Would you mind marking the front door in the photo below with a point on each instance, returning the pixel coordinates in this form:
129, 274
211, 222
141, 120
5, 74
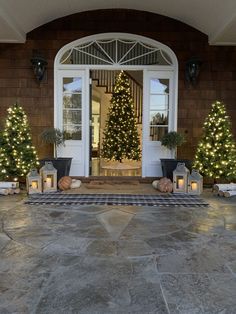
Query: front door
72, 118
158, 119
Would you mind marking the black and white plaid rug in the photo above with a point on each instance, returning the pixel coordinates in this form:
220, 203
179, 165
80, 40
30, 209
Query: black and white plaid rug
117, 199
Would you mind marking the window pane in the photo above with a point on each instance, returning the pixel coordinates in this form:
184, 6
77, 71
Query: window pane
72, 84
72, 116
159, 117
72, 100
72, 108
73, 132
159, 102
156, 133
159, 108
159, 86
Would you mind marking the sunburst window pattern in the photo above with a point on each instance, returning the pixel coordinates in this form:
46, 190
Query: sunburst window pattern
116, 51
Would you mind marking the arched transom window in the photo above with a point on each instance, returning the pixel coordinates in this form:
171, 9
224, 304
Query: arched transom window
116, 51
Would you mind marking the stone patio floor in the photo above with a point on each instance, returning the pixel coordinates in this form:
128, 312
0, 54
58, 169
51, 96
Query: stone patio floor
114, 259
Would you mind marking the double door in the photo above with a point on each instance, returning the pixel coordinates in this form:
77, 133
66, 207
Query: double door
72, 115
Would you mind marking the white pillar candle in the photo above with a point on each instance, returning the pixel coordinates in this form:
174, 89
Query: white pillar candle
180, 183
34, 185
194, 186
48, 182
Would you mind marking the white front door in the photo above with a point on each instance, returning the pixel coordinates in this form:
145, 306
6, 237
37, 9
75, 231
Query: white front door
158, 118
72, 117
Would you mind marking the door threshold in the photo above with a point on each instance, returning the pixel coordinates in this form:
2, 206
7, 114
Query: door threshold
116, 179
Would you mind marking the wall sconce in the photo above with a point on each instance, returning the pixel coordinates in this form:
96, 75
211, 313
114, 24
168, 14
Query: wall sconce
39, 67
192, 69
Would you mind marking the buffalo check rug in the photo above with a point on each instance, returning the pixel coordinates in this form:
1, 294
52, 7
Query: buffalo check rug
172, 199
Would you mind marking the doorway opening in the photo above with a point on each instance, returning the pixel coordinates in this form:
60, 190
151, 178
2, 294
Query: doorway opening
147, 62
103, 82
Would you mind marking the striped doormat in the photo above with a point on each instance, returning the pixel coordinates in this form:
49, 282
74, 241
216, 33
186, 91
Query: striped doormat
178, 200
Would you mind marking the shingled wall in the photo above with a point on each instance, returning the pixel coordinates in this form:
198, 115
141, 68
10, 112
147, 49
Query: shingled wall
217, 80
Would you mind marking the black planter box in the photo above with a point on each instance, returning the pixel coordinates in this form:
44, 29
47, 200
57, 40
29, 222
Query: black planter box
169, 165
61, 164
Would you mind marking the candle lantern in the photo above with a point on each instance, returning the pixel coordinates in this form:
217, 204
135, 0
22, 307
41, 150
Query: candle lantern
33, 182
195, 183
49, 176
180, 178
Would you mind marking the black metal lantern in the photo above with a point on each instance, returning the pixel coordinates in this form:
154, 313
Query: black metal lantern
192, 69
39, 67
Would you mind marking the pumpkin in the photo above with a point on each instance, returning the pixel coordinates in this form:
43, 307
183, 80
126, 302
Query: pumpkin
75, 184
64, 183
165, 185
155, 184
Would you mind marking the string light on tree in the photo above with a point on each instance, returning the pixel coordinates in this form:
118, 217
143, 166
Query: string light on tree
121, 140
17, 154
216, 151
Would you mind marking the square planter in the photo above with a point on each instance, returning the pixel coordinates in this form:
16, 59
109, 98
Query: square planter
61, 164
169, 165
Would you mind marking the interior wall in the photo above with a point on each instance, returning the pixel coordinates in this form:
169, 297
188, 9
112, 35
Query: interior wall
217, 80
104, 99
99, 94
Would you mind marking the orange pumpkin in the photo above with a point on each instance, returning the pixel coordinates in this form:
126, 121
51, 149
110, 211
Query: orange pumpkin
64, 183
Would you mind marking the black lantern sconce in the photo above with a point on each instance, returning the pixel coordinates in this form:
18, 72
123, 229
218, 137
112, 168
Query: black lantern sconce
192, 69
39, 67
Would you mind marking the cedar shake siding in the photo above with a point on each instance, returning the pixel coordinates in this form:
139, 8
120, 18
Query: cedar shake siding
217, 79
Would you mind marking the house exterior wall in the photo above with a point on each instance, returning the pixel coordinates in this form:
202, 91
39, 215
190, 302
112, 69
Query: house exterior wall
217, 80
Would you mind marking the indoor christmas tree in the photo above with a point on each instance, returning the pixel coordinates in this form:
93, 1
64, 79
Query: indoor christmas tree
121, 140
216, 151
17, 154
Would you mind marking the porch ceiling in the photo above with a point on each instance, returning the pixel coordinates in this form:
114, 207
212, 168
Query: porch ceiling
215, 18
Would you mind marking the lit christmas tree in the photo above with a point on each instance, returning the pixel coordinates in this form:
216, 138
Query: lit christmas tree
121, 140
216, 151
17, 154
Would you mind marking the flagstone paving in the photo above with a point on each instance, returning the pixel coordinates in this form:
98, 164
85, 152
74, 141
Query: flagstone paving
117, 259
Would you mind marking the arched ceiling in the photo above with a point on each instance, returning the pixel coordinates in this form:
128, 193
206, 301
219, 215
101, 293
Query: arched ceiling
215, 18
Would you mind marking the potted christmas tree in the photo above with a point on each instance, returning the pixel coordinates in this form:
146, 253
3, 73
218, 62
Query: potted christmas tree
17, 153
172, 140
216, 151
55, 137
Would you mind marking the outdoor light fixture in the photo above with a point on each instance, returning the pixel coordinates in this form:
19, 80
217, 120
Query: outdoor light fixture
39, 67
192, 69
33, 182
195, 183
49, 177
180, 178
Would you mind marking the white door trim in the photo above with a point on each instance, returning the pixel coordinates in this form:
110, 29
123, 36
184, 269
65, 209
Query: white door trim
59, 69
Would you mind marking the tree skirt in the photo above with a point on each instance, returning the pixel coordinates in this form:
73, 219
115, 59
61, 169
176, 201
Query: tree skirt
121, 166
118, 199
